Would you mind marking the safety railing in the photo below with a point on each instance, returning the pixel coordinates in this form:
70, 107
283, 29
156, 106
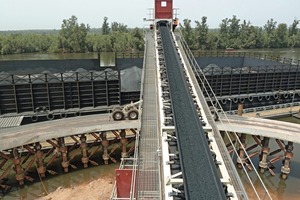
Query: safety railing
233, 53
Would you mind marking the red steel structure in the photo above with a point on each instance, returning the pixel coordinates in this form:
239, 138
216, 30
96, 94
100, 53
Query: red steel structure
163, 9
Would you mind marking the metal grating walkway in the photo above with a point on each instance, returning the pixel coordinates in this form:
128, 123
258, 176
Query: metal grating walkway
148, 179
13, 121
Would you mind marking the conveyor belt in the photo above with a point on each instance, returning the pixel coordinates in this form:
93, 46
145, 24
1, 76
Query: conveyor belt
199, 171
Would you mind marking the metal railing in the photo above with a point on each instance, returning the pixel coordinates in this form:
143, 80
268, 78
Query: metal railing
256, 55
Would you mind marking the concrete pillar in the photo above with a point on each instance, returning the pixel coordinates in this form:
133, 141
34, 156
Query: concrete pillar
83, 146
263, 164
285, 169
20, 176
240, 109
64, 154
123, 141
105, 144
39, 159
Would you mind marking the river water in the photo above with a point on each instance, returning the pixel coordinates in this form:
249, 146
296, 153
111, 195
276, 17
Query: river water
106, 58
280, 189
284, 53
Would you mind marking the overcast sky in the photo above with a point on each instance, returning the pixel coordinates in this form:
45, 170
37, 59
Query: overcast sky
48, 14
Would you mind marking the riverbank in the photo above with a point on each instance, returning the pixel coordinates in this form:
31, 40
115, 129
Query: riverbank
99, 189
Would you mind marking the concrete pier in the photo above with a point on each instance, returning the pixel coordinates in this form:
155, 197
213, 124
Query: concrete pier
84, 152
39, 160
105, 144
263, 164
123, 142
64, 154
285, 169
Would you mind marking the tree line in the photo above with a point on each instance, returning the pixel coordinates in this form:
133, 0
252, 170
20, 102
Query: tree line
74, 37
237, 34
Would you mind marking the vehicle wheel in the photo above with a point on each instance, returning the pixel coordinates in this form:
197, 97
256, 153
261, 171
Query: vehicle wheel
118, 115
133, 114
50, 116
63, 115
77, 114
34, 118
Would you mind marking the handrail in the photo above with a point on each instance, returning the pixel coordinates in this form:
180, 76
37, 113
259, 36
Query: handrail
261, 56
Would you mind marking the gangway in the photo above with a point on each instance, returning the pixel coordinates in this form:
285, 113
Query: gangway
148, 177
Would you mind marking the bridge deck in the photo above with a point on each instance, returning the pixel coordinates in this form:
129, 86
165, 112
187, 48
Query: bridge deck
148, 183
28, 134
258, 126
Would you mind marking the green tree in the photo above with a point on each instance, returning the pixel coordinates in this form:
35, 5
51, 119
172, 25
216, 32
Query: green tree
119, 27
248, 35
212, 40
187, 32
294, 35
234, 27
55, 45
224, 36
137, 42
229, 36
73, 36
234, 32
99, 43
270, 29
201, 32
270, 26
260, 37
282, 36
293, 30
105, 26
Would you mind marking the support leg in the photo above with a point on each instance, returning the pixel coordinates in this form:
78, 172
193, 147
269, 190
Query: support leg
105, 144
20, 176
64, 154
83, 145
39, 159
123, 143
285, 169
241, 151
263, 164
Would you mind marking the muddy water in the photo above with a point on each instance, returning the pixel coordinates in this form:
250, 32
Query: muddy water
278, 188
65, 180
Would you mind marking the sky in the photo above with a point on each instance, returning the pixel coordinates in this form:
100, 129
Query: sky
49, 14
